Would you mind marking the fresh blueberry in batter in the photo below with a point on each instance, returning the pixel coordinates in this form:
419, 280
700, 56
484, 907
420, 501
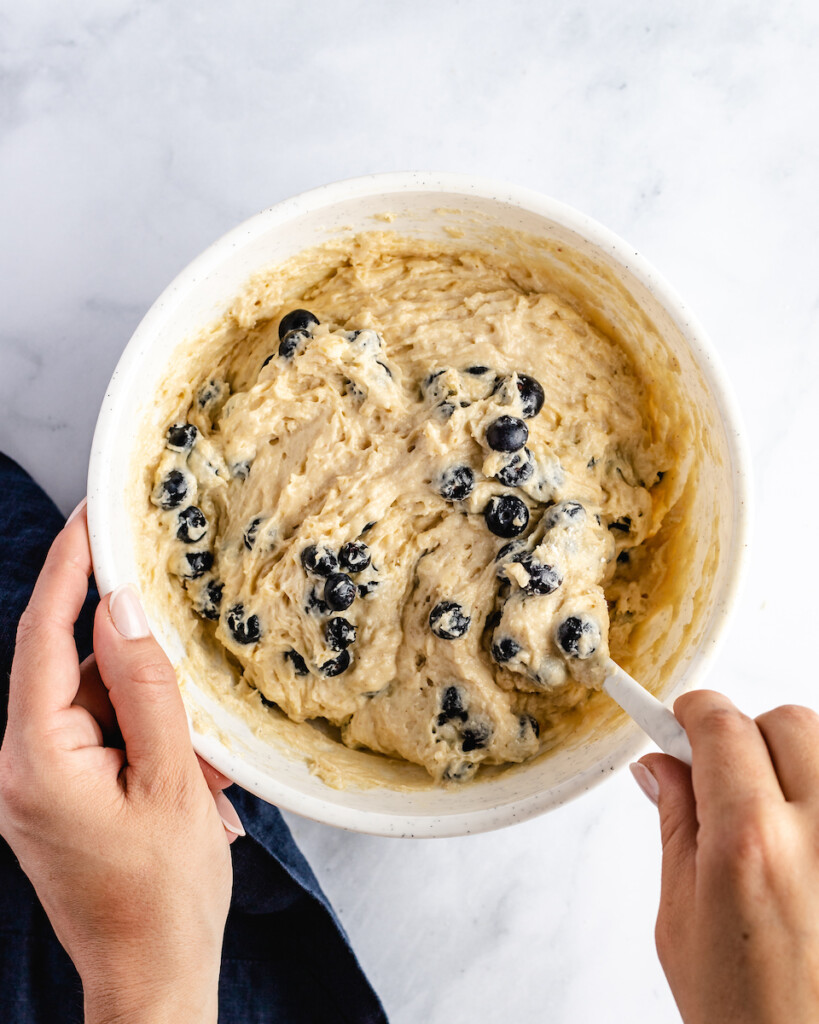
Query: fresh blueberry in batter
297, 320
506, 515
505, 649
290, 343
518, 469
173, 491
543, 579
354, 556
192, 525
456, 483
182, 437
531, 395
244, 630
241, 470
339, 591
565, 514
210, 599
448, 620
319, 561
529, 722
477, 371
624, 558
623, 524
210, 393
339, 634
336, 665
452, 706
249, 536
507, 434
315, 603
578, 637
298, 663
475, 737
445, 410
365, 589
198, 564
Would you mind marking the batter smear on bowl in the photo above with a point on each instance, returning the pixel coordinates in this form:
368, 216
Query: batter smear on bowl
411, 498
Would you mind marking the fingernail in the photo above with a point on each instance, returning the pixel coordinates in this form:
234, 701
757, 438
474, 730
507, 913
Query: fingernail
127, 613
646, 781
227, 812
77, 510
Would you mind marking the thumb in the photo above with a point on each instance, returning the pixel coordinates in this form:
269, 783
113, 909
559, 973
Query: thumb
142, 686
678, 831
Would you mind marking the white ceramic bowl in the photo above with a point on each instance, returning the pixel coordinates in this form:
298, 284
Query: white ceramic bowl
424, 205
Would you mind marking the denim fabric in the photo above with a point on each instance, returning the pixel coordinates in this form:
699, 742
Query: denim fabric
285, 959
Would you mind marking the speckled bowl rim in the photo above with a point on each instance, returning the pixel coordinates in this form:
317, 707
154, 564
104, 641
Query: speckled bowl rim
104, 544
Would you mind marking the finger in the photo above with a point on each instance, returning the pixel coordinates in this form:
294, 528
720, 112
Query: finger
792, 736
93, 696
732, 770
678, 832
216, 780
230, 819
45, 673
143, 689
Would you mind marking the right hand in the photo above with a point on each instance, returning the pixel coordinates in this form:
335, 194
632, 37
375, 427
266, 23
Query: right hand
738, 926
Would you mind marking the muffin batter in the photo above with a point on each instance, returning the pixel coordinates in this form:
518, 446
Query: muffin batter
398, 503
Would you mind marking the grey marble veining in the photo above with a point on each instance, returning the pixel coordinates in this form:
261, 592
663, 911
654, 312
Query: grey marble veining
133, 134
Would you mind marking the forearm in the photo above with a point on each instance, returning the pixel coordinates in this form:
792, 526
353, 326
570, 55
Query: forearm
187, 1000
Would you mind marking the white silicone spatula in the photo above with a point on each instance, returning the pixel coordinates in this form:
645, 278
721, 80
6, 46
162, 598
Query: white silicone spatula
653, 717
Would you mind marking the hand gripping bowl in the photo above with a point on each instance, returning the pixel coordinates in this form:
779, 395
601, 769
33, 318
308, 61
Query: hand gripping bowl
618, 291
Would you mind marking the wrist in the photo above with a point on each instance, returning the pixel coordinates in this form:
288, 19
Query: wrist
184, 997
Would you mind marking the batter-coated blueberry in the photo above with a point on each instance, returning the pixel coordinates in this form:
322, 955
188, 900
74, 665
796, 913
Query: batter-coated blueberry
543, 579
448, 620
182, 437
249, 536
244, 630
475, 737
623, 524
339, 634
456, 483
198, 564
354, 556
529, 722
297, 320
507, 434
339, 591
210, 600
298, 663
192, 525
518, 469
319, 560
506, 515
452, 706
578, 637
505, 649
290, 343
336, 665
172, 491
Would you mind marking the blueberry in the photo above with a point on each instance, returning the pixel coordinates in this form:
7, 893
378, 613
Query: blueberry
505, 649
172, 491
367, 527
459, 772
456, 483
315, 603
290, 342
445, 410
182, 437
384, 367
298, 663
529, 722
339, 634
336, 665
492, 620
249, 536
192, 525
477, 371
565, 514
510, 550
244, 630
241, 470
475, 737
365, 589
354, 556
210, 393
448, 620
543, 579
623, 524
518, 469
531, 395
210, 598
578, 637
339, 591
507, 434
452, 705
198, 564
506, 515
624, 558
297, 320
319, 561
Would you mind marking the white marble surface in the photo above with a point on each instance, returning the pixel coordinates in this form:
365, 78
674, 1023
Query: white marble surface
134, 132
